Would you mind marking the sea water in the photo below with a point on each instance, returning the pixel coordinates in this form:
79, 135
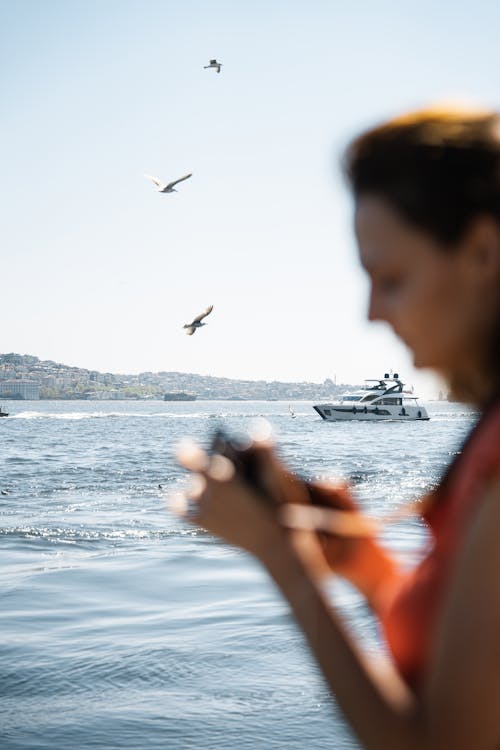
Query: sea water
121, 627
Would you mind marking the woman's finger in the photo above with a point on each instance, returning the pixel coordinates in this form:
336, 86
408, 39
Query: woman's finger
220, 469
185, 504
192, 456
335, 522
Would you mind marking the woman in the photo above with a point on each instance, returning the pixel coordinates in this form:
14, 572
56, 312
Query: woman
427, 221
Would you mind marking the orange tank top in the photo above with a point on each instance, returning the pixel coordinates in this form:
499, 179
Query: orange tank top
410, 619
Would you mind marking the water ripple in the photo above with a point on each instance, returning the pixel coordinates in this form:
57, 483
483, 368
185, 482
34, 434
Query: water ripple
123, 627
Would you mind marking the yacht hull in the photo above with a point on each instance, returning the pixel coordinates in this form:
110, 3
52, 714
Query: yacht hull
341, 413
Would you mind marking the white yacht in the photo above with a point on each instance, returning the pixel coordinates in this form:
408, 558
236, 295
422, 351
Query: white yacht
378, 400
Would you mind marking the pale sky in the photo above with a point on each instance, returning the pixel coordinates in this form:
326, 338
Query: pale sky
100, 271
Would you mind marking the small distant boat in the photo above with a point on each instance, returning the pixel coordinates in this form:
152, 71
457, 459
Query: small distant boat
292, 413
379, 400
3, 413
179, 396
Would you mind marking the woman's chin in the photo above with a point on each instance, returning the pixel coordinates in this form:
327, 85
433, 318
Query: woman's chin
425, 362
419, 361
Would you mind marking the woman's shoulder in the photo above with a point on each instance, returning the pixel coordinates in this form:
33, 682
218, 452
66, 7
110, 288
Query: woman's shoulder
482, 450
476, 463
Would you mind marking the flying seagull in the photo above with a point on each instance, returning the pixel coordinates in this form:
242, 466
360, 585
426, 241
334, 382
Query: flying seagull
213, 64
167, 187
196, 323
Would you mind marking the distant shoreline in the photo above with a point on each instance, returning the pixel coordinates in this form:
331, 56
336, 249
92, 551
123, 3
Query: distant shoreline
152, 400
25, 377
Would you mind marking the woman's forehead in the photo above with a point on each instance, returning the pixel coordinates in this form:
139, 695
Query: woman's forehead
384, 237
375, 215
379, 234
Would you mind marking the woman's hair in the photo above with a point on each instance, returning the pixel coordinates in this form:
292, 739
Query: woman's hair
438, 168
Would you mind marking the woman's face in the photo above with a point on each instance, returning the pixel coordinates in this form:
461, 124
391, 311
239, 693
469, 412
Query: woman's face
426, 293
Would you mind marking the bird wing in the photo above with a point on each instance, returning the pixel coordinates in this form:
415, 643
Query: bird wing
156, 181
213, 62
190, 330
186, 176
203, 315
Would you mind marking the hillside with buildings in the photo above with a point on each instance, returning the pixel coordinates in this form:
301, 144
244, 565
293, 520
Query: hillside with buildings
27, 377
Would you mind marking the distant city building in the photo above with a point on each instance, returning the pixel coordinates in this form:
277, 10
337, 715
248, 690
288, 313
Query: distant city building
28, 390
7, 371
112, 395
18, 359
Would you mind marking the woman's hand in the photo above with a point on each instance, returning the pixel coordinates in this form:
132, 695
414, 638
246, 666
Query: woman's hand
223, 504
254, 519
350, 548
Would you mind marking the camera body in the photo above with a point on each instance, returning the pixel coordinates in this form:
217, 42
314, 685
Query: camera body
245, 459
